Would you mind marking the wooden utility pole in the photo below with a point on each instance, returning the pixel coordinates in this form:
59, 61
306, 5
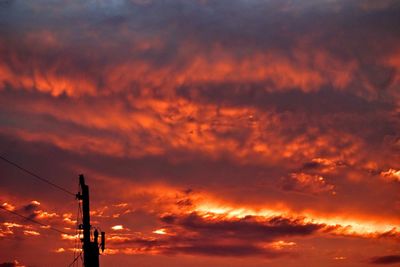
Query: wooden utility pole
90, 248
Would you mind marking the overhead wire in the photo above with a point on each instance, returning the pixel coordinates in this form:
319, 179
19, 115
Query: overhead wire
76, 258
36, 176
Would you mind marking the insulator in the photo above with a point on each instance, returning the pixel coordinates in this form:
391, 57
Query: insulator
103, 241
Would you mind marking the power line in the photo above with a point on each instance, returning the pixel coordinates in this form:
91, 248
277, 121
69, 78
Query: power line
34, 221
76, 245
77, 257
36, 176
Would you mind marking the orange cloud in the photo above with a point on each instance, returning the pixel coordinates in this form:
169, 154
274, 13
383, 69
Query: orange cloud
117, 227
302, 69
391, 174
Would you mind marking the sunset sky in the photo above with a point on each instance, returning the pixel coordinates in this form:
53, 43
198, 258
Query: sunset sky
211, 132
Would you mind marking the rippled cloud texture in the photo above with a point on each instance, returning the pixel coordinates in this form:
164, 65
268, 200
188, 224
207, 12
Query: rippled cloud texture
211, 132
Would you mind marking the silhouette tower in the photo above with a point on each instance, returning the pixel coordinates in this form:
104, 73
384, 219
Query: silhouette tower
90, 248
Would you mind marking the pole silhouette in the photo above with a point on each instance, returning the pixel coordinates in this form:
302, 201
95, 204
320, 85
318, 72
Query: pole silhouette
90, 248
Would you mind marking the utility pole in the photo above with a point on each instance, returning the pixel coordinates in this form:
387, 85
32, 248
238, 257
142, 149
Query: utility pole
90, 248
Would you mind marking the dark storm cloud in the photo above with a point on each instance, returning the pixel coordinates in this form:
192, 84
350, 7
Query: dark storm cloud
248, 228
193, 234
30, 210
389, 259
326, 101
142, 242
199, 246
226, 250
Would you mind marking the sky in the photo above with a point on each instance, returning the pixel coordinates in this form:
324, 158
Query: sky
210, 132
